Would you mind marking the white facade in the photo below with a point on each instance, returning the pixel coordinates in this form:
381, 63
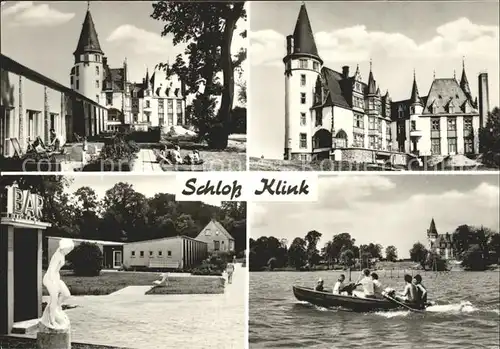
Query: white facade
301, 74
87, 76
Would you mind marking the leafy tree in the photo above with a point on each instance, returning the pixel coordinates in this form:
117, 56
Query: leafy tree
391, 253
336, 245
297, 253
208, 29
473, 259
435, 262
347, 258
312, 238
87, 217
419, 254
489, 139
494, 246
86, 259
266, 252
126, 210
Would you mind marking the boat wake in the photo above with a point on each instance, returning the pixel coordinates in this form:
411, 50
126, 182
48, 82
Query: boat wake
455, 308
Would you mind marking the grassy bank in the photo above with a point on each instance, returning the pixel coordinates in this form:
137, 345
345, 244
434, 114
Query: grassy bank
29, 343
109, 282
191, 285
257, 164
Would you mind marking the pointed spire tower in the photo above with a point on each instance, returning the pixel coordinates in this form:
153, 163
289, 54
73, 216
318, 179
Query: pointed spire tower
372, 86
432, 233
415, 97
416, 106
87, 73
303, 67
464, 83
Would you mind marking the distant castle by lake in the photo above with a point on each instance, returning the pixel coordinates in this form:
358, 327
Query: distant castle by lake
442, 244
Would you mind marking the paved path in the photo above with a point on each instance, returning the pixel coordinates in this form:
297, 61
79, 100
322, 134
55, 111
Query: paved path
132, 291
146, 162
163, 321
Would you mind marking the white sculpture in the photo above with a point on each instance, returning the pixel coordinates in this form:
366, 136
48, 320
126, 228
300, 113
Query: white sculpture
163, 281
53, 316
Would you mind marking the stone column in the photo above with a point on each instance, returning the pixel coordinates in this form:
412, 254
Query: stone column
10, 278
39, 270
48, 338
46, 134
21, 137
62, 122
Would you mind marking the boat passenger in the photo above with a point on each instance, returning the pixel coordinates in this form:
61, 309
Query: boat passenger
422, 291
377, 285
367, 283
339, 285
319, 285
410, 293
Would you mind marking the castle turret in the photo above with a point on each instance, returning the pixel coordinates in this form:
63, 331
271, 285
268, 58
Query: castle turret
416, 106
464, 83
87, 72
432, 233
302, 67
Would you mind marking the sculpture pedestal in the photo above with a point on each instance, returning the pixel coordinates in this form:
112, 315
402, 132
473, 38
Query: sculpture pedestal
48, 338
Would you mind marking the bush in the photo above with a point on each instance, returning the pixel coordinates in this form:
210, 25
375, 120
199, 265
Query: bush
86, 259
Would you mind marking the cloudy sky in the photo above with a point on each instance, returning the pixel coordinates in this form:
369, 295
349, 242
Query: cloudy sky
148, 185
389, 210
397, 36
43, 35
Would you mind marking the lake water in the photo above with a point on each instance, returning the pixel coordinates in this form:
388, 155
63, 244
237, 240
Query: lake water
466, 314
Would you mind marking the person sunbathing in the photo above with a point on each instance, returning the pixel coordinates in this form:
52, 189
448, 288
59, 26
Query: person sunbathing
176, 155
193, 158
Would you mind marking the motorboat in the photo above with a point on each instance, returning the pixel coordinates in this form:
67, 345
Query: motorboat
357, 302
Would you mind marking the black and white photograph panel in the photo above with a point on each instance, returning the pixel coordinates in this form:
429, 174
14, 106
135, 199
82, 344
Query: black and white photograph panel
136, 86
116, 262
377, 85
380, 262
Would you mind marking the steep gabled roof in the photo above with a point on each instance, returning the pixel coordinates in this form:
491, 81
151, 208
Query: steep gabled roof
332, 79
303, 37
215, 225
442, 93
88, 41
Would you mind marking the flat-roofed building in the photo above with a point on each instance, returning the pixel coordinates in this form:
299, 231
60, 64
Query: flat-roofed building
176, 252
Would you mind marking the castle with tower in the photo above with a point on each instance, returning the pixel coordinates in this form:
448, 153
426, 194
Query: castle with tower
158, 100
335, 115
442, 244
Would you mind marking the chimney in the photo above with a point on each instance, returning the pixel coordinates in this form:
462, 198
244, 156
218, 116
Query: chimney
289, 44
345, 71
484, 102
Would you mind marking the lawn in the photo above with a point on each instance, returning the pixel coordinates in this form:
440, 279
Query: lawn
29, 343
191, 285
109, 282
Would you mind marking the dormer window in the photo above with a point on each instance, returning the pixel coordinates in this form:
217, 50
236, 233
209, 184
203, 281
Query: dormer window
401, 113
